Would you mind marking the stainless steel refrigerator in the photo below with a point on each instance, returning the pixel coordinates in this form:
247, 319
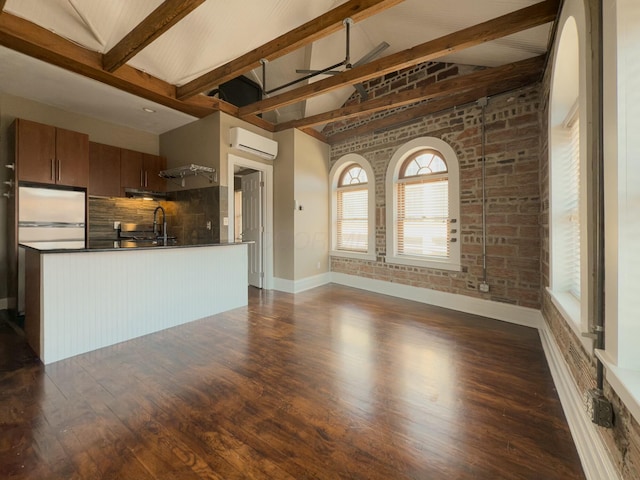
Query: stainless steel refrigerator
49, 218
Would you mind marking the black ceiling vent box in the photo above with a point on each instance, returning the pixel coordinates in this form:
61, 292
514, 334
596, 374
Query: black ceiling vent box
239, 91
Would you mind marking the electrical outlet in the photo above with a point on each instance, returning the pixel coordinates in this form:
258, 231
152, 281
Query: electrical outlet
483, 287
208, 224
225, 221
116, 225
599, 408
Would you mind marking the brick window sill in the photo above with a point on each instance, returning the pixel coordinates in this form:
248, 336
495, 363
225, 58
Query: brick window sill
625, 382
569, 308
356, 255
423, 262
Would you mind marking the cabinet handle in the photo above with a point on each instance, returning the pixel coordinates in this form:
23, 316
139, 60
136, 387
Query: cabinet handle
141, 183
146, 179
59, 169
53, 169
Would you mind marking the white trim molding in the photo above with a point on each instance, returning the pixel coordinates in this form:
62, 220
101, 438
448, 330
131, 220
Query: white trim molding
594, 457
298, 286
524, 316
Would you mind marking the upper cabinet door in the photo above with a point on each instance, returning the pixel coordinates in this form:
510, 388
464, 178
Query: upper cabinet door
72, 155
36, 152
131, 171
104, 170
47, 154
153, 165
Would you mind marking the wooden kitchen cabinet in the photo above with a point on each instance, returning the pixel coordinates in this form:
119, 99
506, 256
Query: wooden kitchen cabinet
153, 165
140, 170
46, 154
104, 170
72, 158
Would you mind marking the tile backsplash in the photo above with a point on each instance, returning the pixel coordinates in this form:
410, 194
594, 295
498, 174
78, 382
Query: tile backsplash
189, 212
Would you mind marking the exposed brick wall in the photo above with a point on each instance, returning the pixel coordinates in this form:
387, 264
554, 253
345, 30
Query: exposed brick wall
512, 189
407, 79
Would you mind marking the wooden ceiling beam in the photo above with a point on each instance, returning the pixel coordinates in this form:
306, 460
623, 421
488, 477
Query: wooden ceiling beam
311, 31
155, 24
315, 134
527, 71
37, 42
508, 24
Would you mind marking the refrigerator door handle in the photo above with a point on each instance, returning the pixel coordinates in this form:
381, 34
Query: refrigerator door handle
53, 169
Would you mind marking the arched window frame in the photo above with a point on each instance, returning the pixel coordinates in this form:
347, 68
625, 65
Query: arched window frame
342, 165
568, 108
451, 263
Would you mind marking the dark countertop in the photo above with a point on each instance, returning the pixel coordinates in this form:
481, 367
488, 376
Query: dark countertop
115, 245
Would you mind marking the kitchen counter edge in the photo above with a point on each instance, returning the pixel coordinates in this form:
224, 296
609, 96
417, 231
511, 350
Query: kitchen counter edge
32, 246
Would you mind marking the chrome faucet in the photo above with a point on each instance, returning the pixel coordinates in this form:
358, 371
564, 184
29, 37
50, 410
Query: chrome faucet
164, 223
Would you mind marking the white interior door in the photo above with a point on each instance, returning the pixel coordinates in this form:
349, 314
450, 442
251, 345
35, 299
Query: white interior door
252, 225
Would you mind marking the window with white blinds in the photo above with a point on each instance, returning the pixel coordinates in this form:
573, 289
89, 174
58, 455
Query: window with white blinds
423, 214
352, 222
572, 205
423, 206
351, 210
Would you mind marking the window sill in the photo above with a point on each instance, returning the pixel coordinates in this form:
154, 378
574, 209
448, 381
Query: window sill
569, 308
424, 262
355, 255
625, 382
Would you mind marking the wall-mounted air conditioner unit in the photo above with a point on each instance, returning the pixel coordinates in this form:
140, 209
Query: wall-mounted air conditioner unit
253, 143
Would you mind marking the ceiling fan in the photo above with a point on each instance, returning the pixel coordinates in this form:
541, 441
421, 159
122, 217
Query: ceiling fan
366, 58
347, 22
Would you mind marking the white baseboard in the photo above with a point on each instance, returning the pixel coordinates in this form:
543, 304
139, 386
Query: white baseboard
297, 286
527, 317
4, 303
594, 457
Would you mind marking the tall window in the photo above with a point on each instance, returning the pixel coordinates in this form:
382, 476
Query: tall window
353, 202
423, 205
353, 208
573, 206
568, 187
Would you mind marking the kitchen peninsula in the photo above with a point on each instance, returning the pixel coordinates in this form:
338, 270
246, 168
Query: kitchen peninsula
82, 299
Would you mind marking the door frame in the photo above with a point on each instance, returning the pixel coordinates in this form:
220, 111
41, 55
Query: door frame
267, 210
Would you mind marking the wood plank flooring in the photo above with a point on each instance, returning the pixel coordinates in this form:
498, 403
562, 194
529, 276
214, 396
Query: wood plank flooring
333, 383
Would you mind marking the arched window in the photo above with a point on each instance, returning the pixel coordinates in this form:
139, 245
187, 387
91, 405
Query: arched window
423, 205
352, 208
568, 176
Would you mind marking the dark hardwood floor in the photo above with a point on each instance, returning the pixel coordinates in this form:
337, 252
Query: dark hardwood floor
333, 383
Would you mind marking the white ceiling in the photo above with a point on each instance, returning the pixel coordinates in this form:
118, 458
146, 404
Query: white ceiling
219, 30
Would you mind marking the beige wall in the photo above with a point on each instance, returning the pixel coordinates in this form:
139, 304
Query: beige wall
311, 191
301, 237
198, 143
283, 214
12, 107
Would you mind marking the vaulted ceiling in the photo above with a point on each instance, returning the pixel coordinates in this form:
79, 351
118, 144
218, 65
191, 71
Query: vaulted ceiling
112, 59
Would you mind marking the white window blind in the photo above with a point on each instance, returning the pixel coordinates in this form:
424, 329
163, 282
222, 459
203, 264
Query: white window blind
572, 205
423, 216
353, 221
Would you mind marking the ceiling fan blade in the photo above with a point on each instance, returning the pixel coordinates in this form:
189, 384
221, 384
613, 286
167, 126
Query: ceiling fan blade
372, 54
363, 93
330, 72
